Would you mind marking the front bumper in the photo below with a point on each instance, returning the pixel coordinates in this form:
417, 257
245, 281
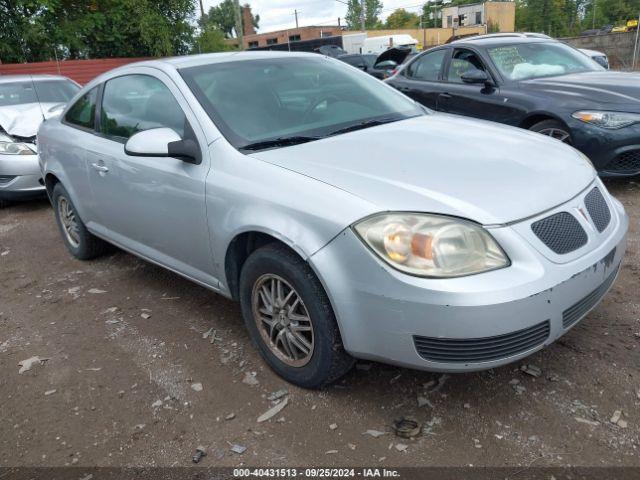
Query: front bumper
614, 153
20, 177
387, 316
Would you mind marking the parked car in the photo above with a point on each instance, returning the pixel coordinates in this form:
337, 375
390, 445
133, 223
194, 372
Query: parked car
538, 84
599, 57
25, 100
347, 220
380, 66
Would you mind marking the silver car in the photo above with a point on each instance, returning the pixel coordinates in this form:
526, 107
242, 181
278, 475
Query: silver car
25, 101
348, 221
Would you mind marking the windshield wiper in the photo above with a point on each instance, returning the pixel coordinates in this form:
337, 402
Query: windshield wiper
365, 124
279, 142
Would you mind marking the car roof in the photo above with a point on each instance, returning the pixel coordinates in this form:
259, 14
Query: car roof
502, 39
35, 78
210, 58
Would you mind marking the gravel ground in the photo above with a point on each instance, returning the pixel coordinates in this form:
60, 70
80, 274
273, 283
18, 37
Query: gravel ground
122, 350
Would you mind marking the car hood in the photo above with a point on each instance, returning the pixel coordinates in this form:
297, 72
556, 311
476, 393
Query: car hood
603, 87
24, 120
444, 164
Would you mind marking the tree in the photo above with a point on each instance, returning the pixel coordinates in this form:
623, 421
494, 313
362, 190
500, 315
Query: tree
400, 18
210, 39
223, 17
35, 30
373, 8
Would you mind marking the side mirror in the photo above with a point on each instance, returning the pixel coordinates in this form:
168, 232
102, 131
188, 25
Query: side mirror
476, 76
162, 142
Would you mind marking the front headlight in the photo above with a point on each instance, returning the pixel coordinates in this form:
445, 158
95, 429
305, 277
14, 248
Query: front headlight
431, 245
10, 148
610, 120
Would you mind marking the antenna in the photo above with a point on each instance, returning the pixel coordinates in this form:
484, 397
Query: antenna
35, 90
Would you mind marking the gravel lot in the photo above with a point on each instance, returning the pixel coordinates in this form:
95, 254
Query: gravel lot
125, 349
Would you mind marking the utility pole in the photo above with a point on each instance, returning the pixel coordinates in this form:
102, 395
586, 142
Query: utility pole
295, 12
635, 46
201, 9
363, 14
594, 14
239, 30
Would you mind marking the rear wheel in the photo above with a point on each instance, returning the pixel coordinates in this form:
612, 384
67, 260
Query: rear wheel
553, 129
79, 241
290, 319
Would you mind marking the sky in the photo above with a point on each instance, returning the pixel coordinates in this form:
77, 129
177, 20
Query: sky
278, 14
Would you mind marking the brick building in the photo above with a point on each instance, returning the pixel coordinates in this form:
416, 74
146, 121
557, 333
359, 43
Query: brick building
290, 35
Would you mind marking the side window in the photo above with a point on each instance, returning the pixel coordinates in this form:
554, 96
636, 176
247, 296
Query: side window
83, 112
463, 61
428, 66
133, 103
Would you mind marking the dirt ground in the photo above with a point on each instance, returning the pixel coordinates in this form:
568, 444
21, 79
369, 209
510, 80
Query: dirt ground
124, 346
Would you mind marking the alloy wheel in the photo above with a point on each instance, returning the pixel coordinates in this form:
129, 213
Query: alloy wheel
68, 220
557, 133
282, 320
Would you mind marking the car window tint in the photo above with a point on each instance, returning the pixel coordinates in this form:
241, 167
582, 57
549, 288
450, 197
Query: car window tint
133, 103
463, 61
428, 66
83, 112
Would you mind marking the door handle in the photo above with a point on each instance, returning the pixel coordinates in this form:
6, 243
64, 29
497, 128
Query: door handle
445, 95
100, 168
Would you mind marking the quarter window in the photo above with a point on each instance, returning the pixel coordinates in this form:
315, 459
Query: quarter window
83, 112
133, 103
427, 67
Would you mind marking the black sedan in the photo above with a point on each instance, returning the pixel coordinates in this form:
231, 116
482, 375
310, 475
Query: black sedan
380, 66
535, 83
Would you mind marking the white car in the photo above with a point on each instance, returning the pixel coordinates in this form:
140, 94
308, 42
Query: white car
599, 57
25, 102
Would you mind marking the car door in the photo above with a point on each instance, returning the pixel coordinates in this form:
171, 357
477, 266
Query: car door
154, 206
473, 100
422, 78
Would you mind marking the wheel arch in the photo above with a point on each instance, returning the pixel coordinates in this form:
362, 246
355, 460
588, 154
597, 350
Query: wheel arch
50, 181
536, 117
244, 244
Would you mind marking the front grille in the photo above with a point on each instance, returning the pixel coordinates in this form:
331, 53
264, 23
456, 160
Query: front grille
626, 162
598, 209
474, 350
560, 232
574, 313
4, 179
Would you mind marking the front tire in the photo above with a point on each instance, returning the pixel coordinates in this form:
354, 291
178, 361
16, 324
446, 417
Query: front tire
553, 129
290, 319
79, 241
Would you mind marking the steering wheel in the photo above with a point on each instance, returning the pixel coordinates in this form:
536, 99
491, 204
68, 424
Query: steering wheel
329, 97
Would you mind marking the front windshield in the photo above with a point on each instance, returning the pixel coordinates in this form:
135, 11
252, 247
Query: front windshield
259, 100
45, 91
540, 59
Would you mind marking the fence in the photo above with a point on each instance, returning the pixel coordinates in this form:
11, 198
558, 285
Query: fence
82, 71
618, 47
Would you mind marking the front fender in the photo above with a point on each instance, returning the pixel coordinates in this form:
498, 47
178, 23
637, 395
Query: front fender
245, 194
